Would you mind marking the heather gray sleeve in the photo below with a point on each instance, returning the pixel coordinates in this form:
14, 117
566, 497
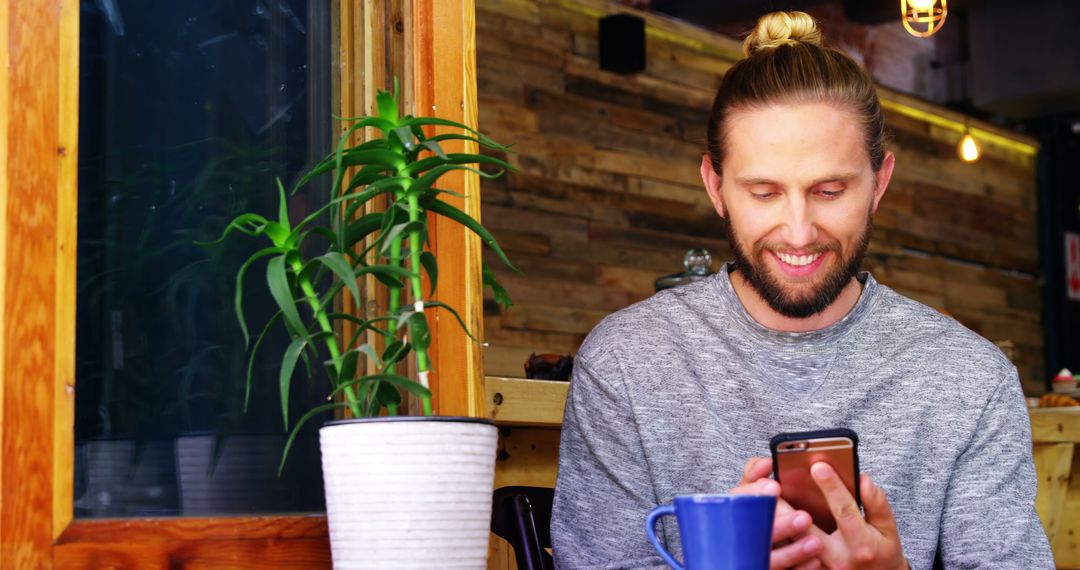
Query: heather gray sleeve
989, 518
603, 491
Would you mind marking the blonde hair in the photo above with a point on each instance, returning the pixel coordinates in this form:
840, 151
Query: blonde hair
786, 63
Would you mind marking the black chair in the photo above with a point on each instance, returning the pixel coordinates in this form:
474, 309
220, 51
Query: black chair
522, 516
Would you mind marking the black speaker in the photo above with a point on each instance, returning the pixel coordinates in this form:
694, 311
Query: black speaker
622, 43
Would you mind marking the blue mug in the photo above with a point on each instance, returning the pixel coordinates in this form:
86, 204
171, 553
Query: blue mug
718, 531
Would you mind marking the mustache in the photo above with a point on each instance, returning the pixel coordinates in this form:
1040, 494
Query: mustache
813, 249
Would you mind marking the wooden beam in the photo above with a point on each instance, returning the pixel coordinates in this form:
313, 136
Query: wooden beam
1055, 425
443, 83
37, 226
299, 542
521, 402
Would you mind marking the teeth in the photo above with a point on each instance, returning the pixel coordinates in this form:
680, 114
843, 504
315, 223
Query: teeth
798, 260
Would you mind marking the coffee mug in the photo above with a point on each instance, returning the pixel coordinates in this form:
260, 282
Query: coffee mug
718, 531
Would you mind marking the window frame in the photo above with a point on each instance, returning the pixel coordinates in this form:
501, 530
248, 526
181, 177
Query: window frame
39, 53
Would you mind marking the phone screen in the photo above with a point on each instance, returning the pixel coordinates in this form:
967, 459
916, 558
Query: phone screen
793, 454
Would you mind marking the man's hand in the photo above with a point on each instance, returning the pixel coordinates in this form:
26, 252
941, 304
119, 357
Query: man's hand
872, 542
793, 547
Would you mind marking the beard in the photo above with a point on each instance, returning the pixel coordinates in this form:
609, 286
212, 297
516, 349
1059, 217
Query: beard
793, 304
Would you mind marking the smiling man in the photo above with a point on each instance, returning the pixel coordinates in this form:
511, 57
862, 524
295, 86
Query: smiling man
681, 393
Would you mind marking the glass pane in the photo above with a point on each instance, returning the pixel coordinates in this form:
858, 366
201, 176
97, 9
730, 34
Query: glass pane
188, 111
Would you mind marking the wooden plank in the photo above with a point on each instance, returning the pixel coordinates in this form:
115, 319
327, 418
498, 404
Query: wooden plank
5, 107
65, 279
519, 401
1055, 425
527, 456
189, 543
1053, 463
33, 162
1066, 541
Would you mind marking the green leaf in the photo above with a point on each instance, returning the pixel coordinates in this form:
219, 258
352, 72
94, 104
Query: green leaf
300, 423
282, 293
457, 159
446, 210
387, 395
357, 230
288, 364
405, 135
249, 224
434, 147
283, 205
341, 267
388, 107
251, 358
502, 297
432, 121
348, 367
431, 267
419, 333
402, 382
404, 229
393, 352
451, 310
238, 297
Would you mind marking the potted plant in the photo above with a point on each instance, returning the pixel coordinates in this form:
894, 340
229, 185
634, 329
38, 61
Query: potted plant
401, 491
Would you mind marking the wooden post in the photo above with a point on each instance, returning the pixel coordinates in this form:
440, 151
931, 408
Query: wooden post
442, 82
38, 208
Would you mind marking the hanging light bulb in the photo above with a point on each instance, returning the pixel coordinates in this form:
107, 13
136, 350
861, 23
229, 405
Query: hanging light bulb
922, 18
968, 149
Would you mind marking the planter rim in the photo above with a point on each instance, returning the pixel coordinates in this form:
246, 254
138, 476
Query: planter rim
389, 419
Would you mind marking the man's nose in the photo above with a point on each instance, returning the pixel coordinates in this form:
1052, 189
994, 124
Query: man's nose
799, 224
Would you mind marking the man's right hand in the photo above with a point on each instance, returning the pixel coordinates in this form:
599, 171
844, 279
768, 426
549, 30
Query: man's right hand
794, 545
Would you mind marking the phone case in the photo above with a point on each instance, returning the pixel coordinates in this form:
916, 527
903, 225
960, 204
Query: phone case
807, 496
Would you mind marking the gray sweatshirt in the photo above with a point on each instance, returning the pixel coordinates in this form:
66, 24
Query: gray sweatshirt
672, 395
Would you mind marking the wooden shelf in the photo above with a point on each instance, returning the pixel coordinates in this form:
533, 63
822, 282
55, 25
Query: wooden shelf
523, 402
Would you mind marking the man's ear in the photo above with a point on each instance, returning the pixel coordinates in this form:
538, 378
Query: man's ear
881, 179
712, 184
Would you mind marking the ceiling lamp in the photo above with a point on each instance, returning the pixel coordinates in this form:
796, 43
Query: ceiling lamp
922, 18
968, 149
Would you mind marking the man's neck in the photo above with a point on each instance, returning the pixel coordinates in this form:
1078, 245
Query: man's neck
761, 312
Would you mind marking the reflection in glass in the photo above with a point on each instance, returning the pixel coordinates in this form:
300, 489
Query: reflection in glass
188, 110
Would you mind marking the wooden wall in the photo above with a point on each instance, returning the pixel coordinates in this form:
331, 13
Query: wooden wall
609, 197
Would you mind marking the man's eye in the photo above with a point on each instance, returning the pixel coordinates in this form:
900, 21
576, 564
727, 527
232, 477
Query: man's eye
830, 193
763, 195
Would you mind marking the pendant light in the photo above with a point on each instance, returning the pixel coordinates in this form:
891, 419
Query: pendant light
968, 149
923, 18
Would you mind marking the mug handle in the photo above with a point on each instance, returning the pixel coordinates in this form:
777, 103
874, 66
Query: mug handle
650, 531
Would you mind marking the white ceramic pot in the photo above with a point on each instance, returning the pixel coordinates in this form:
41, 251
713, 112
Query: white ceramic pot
409, 491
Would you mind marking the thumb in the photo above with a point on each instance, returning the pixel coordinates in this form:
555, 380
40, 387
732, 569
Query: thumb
876, 504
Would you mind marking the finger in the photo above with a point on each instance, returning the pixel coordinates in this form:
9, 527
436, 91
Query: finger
756, 468
844, 509
812, 564
798, 552
790, 525
876, 503
759, 487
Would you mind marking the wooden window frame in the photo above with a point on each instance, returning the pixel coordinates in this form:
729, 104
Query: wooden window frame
39, 60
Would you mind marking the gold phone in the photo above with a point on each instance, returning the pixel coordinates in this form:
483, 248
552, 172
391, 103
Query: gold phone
794, 453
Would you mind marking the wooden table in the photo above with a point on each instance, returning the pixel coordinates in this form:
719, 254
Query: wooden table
1055, 432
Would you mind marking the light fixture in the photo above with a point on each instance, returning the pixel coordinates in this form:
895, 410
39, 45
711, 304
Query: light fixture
922, 18
968, 149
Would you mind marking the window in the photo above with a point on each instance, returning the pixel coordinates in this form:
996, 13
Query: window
188, 112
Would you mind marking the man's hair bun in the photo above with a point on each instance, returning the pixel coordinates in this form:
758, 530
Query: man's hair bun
781, 28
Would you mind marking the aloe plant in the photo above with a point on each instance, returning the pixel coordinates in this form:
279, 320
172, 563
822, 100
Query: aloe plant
404, 165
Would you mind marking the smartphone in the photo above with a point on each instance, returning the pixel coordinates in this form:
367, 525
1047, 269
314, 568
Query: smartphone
794, 453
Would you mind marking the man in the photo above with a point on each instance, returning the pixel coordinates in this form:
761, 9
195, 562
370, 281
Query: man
680, 393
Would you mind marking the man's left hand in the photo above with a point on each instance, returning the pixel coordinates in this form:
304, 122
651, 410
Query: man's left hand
873, 542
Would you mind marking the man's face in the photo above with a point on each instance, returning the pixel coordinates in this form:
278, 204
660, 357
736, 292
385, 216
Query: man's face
798, 192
